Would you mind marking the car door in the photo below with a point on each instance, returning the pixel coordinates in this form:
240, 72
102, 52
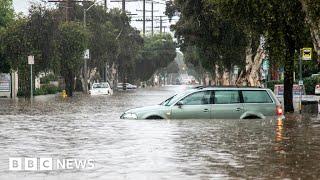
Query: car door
227, 105
195, 106
258, 102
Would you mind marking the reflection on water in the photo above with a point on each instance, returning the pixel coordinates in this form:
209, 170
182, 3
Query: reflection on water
279, 130
89, 128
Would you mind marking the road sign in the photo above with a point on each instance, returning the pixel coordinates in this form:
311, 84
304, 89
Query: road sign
87, 54
5, 82
265, 64
236, 70
307, 54
30, 60
300, 83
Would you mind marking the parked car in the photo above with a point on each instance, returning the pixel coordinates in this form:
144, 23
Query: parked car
127, 86
213, 103
100, 89
317, 89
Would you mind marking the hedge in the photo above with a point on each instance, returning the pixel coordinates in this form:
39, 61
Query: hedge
45, 89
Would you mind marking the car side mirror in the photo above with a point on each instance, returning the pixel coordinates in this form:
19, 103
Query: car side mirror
179, 104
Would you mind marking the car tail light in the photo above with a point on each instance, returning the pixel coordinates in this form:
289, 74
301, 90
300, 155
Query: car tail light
279, 111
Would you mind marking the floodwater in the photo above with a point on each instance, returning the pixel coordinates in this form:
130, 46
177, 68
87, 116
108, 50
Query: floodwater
87, 127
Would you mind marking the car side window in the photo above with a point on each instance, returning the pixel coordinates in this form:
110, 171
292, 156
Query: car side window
226, 97
256, 97
198, 98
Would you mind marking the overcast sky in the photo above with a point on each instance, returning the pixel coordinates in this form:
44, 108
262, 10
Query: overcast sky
22, 6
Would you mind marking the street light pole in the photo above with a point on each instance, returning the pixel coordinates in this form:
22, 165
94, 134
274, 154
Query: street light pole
85, 68
300, 80
31, 62
31, 92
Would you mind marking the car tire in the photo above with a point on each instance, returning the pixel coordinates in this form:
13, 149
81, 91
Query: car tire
154, 117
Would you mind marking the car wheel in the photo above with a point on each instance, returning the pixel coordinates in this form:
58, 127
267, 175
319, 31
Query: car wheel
154, 117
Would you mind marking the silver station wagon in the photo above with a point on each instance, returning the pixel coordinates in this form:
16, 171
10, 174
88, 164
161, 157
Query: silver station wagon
213, 103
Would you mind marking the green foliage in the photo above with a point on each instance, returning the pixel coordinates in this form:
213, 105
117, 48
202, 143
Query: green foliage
171, 9
6, 17
46, 79
310, 84
158, 52
72, 43
213, 39
221, 30
58, 45
45, 89
6, 12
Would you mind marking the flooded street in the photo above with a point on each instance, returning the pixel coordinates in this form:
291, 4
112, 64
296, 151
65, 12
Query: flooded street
89, 128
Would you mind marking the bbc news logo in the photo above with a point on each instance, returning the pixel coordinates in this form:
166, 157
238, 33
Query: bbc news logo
48, 164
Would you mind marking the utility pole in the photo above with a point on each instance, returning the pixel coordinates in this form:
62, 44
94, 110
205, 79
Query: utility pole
105, 4
300, 79
152, 17
31, 62
144, 17
123, 6
67, 5
161, 25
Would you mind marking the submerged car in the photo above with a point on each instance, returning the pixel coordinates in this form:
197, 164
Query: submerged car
213, 103
100, 89
126, 86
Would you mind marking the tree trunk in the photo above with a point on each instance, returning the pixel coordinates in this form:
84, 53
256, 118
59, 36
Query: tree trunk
251, 74
288, 74
69, 80
82, 79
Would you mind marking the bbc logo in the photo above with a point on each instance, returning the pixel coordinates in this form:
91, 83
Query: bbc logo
48, 164
30, 164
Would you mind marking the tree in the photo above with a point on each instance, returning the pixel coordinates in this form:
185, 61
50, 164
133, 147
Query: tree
281, 23
19, 43
220, 43
72, 42
6, 12
158, 52
18, 46
6, 16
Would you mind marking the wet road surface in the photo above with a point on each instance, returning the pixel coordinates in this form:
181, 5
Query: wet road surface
89, 128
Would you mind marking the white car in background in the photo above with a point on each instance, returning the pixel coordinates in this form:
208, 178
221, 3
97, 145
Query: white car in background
128, 86
317, 89
102, 88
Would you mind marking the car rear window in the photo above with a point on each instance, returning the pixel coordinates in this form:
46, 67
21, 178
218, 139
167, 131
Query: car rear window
256, 97
226, 97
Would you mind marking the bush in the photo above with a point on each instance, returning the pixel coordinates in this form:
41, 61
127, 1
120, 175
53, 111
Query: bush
48, 78
38, 92
45, 89
310, 84
49, 89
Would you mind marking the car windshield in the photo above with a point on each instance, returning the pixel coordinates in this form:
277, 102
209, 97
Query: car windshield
164, 103
174, 98
96, 86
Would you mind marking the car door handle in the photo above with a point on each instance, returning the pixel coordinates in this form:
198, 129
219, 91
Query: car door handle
206, 110
238, 109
